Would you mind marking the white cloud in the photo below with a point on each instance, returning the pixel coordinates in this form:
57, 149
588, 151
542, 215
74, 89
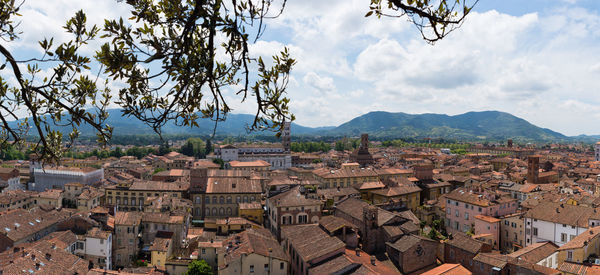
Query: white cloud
322, 84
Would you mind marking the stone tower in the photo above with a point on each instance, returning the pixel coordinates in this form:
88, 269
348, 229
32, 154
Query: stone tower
286, 138
597, 151
533, 169
370, 228
509, 143
361, 154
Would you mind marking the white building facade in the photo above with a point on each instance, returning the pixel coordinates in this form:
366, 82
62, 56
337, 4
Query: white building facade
97, 249
48, 178
541, 231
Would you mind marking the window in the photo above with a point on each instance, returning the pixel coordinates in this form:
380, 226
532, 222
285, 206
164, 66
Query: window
281, 265
572, 226
564, 225
457, 213
569, 255
267, 267
449, 211
571, 237
101, 241
466, 206
198, 200
466, 216
563, 237
203, 251
479, 209
251, 268
535, 231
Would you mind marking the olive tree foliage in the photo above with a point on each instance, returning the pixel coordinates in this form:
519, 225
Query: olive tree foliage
175, 57
178, 60
433, 18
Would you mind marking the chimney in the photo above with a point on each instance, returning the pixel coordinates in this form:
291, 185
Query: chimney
373, 260
33, 257
357, 251
37, 266
48, 256
53, 246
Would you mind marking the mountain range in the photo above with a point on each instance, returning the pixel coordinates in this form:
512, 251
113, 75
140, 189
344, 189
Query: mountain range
486, 125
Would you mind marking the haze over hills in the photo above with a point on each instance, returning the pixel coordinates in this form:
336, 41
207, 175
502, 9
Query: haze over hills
486, 125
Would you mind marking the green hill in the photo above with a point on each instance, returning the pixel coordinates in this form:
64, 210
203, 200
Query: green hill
491, 125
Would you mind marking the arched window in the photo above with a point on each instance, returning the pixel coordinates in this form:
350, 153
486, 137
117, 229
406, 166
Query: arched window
221, 200
229, 212
198, 212
214, 211
228, 199
214, 199
198, 200
238, 199
252, 198
245, 198
221, 211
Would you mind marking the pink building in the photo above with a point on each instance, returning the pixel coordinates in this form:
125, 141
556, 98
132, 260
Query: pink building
463, 205
487, 229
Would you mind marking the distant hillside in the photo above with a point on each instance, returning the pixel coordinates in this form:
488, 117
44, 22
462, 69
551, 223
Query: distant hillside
234, 125
471, 125
487, 125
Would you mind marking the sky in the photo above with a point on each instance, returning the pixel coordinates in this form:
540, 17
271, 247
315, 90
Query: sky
536, 59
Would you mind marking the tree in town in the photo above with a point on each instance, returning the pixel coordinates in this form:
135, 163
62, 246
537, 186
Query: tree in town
193, 147
199, 267
208, 148
176, 58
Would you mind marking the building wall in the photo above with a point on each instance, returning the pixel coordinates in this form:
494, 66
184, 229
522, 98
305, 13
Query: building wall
492, 228
56, 203
578, 255
86, 205
226, 205
467, 212
208, 254
13, 184
411, 261
125, 245
549, 231
134, 199
150, 229
456, 255
512, 233
412, 200
550, 261
159, 258
245, 263
99, 249
343, 181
